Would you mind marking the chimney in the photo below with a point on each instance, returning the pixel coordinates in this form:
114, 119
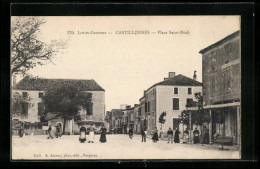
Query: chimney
171, 74
195, 76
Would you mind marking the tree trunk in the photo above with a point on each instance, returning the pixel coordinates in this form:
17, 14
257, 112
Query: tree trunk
202, 139
222, 137
64, 124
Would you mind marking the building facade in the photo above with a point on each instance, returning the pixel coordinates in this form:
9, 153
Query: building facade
35, 88
221, 78
137, 118
171, 96
115, 120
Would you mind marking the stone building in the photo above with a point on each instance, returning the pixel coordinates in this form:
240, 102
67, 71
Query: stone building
35, 88
221, 79
170, 95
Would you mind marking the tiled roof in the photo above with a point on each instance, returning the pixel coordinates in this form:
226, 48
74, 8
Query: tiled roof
178, 80
52, 115
227, 38
29, 83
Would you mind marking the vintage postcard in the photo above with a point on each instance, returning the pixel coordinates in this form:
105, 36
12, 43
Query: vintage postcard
125, 87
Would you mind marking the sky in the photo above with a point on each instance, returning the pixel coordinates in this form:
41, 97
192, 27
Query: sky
127, 64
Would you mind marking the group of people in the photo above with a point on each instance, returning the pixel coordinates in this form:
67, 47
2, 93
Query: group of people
174, 136
58, 132
196, 136
91, 134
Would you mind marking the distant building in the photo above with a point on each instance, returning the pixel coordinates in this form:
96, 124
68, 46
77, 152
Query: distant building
128, 119
170, 95
221, 79
137, 118
115, 120
35, 88
142, 111
124, 106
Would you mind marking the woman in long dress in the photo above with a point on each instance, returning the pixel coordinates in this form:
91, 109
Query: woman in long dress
196, 135
82, 137
91, 134
186, 136
176, 136
103, 138
155, 135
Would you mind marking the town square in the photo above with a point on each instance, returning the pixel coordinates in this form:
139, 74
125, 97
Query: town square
117, 147
146, 87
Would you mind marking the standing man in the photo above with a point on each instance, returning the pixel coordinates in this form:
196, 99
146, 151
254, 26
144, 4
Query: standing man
170, 135
143, 133
50, 134
130, 133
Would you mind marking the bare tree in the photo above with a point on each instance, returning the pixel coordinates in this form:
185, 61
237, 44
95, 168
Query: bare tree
27, 50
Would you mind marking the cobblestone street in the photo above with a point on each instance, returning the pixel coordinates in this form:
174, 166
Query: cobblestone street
116, 147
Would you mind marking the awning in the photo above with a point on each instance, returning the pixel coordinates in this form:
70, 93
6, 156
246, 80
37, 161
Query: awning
222, 105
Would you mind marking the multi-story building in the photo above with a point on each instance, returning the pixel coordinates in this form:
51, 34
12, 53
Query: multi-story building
142, 112
35, 88
221, 78
171, 96
137, 119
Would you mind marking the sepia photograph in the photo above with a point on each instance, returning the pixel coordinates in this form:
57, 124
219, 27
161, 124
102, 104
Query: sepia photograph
125, 87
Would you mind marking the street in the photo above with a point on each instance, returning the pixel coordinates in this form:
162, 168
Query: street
117, 147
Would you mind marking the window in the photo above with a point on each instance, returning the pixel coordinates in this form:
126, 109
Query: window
189, 91
148, 106
189, 103
175, 103
175, 122
175, 90
25, 94
25, 107
145, 106
131, 117
40, 108
40, 95
90, 108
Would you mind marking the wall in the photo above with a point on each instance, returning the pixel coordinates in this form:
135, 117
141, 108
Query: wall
33, 109
150, 96
221, 72
68, 127
98, 100
164, 96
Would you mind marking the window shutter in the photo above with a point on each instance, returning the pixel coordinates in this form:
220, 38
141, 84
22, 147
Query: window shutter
175, 104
